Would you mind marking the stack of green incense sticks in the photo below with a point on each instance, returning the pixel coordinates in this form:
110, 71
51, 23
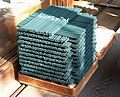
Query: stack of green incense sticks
57, 44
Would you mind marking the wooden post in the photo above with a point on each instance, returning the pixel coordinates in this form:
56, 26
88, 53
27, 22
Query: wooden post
45, 4
70, 3
65, 2
62, 2
59, 2
53, 2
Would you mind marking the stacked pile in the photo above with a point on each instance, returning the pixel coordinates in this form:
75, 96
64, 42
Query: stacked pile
57, 44
85, 49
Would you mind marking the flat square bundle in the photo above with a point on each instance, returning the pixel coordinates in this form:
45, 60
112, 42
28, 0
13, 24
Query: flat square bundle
57, 44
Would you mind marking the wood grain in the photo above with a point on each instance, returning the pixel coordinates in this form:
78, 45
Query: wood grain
8, 49
8, 84
100, 9
70, 3
89, 9
59, 2
53, 2
18, 91
62, 2
7, 32
30, 91
110, 18
7, 57
65, 2
45, 4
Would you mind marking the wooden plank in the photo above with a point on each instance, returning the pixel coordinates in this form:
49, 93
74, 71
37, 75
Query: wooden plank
45, 4
62, 2
8, 49
7, 26
65, 2
7, 89
7, 57
110, 18
9, 63
59, 2
8, 84
18, 91
6, 75
36, 92
4, 44
90, 9
100, 9
63, 90
70, 3
7, 32
53, 2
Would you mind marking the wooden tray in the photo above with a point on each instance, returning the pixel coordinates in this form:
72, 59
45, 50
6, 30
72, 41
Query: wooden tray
63, 90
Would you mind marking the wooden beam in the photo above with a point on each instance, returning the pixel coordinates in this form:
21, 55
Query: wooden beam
110, 18
7, 57
18, 91
45, 4
53, 2
70, 3
36, 92
90, 9
100, 9
7, 50
65, 2
59, 2
8, 84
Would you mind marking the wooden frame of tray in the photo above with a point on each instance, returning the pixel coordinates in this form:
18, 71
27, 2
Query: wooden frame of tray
104, 50
63, 90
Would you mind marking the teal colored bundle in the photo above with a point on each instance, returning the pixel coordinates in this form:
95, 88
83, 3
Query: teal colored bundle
59, 65
57, 44
46, 65
44, 50
49, 73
